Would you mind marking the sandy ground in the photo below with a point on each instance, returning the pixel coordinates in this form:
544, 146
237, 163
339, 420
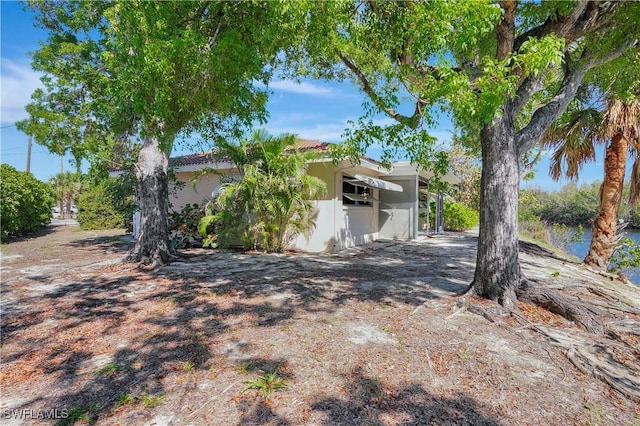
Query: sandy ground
369, 336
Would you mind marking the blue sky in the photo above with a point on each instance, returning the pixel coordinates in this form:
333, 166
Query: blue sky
312, 109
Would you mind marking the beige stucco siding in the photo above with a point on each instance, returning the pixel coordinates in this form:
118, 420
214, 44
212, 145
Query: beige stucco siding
327, 172
358, 225
339, 226
399, 210
190, 194
321, 237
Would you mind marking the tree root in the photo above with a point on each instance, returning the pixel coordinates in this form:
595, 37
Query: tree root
571, 307
591, 360
601, 352
608, 320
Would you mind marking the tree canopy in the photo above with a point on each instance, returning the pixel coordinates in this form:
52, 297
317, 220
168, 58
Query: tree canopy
505, 71
125, 71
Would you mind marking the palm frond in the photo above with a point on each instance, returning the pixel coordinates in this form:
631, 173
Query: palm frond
573, 140
622, 117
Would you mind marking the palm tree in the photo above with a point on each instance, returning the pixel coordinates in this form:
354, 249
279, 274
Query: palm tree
272, 202
574, 139
66, 186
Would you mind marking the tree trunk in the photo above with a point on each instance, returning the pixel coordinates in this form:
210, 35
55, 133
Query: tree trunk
497, 273
67, 208
152, 245
605, 237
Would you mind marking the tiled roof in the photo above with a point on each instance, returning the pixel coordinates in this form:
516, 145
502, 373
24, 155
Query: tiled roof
208, 157
191, 159
308, 145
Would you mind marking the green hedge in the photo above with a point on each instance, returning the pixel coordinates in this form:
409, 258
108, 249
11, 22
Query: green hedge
26, 202
459, 217
106, 205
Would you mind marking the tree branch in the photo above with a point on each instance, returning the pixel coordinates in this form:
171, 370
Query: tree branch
586, 16
628, 44
506, 29
544, 116
527, 89
411, 122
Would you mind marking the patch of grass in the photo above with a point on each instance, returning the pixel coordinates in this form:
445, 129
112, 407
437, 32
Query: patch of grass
151, 401
555, 274
125, 399
244, 368
189, 367
465, 355
108, 370
596, 413
267, 383
84, 413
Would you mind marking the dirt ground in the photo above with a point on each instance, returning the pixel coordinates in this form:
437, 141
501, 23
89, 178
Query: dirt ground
368, 336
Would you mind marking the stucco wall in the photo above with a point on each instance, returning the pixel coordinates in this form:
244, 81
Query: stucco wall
358, 225
322, 238
355, 225
399, 210
190, 195
337, 226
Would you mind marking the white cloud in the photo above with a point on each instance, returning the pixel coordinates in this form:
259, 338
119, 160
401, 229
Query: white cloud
17, 83
326, 132
301, 88
318, 127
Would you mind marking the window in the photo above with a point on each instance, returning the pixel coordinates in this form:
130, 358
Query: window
356, 195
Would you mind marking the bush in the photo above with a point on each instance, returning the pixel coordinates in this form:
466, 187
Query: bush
626, 256
26, 202
459, 217
107, 204
271, 203
183, 227
534, 228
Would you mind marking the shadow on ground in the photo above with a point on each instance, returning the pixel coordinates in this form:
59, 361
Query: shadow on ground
104, 341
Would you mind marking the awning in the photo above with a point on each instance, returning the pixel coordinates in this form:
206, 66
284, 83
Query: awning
377, 183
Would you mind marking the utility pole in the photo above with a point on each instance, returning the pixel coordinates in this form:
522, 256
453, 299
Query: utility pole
29, 154
62, 212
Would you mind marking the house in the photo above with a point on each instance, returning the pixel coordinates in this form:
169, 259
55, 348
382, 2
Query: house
364, 202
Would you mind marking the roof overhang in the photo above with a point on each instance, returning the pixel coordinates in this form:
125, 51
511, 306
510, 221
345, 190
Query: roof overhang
447, 177
377, 183
405, 168
223, 165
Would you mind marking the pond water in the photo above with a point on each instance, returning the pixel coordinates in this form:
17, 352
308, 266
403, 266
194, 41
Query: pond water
580, 249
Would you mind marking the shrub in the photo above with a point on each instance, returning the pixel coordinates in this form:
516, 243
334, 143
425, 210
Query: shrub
183, 227
271, 203
626, 256
459, 217
107, 204
26, 202
535, 228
